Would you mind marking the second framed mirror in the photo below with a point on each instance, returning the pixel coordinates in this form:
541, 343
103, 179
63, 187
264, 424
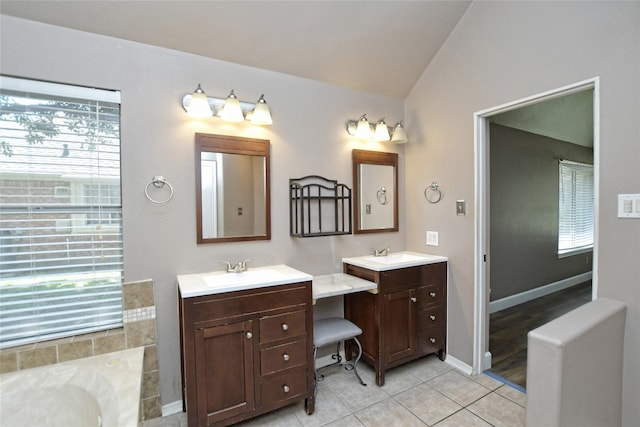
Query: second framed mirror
375, 191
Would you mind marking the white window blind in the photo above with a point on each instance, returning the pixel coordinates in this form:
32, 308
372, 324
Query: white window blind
576, 212
60, 211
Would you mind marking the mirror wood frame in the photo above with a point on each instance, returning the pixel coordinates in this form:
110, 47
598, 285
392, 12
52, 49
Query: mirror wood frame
232, 145
360, 157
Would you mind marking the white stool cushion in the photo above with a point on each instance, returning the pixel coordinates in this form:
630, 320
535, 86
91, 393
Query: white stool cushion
333, 329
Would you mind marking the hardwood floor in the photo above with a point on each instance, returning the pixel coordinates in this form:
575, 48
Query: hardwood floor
508, 329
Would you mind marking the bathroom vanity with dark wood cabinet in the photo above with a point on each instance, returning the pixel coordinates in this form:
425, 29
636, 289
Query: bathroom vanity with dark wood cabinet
405, 320
246, 352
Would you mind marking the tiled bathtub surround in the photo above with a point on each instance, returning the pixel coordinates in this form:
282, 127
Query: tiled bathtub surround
139, 330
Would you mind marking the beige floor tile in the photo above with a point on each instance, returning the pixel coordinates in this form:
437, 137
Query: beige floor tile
350, 421
399, 379
512, 394
388, 413
427, 403
486, 381
175, 420
499, 411
428, 367
463, 418
356, 396
458, 387
328, 408
283, 417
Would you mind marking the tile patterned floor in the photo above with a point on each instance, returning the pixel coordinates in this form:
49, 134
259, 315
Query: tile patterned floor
426, 392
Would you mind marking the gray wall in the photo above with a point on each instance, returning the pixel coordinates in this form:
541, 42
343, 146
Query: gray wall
524, 211
158, 139
501, 52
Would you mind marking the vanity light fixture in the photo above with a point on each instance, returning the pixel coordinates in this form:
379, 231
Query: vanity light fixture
198, 104
381, 132
399, 135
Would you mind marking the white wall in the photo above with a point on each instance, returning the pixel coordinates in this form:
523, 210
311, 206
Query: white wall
308, 137
498, 53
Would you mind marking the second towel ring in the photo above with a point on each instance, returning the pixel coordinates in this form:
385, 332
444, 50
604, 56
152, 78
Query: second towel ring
158, 181
435, 195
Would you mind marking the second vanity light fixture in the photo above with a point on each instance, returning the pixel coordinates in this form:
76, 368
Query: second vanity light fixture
231, 109
381, 132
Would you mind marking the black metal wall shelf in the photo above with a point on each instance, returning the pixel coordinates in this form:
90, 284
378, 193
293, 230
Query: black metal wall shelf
318, 207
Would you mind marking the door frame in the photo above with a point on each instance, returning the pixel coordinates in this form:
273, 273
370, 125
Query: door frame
481, 354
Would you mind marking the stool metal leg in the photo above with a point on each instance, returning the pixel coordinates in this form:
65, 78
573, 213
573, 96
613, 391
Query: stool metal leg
353, 364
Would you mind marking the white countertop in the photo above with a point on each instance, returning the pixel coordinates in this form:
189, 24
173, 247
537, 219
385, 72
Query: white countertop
215, 282
394, 260
330, 285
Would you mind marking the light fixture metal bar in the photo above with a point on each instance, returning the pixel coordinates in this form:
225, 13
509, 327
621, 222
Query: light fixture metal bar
216, 105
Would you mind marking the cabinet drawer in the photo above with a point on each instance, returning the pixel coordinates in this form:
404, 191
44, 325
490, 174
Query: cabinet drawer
283, 386
281, 357
282, 326
431, 340
433, 317
227, 305
403, 278
431, 295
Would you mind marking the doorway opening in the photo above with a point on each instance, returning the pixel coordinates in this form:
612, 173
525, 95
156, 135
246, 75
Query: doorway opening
505, 194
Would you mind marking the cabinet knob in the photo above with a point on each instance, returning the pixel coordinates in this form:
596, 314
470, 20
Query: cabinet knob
432, 294
432, 317
433, 340
285, 327
285, 388
285, 357
414, 299
249, 335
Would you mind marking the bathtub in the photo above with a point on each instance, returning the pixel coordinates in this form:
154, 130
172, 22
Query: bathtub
101, 391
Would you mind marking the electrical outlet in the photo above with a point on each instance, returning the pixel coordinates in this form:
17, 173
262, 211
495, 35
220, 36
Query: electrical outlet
432, 238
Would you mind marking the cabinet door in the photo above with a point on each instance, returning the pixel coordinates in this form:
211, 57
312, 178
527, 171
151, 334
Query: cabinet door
224, 371
399, 325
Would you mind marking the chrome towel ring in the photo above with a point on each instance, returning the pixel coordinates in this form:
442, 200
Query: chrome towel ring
158, 181
435, 195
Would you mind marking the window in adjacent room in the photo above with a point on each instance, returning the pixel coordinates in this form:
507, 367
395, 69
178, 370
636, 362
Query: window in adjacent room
576, 211
61, 266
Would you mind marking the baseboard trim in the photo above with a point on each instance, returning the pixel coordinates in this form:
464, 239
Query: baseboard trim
522, 297
172, 408
458, 365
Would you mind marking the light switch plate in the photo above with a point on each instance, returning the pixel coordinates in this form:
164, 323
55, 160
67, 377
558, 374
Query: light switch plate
432, 238
628, 205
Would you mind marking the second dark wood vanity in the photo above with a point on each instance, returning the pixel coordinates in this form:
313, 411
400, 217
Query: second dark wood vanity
405, 320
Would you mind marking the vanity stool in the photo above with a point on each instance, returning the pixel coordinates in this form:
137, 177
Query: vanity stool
335, 330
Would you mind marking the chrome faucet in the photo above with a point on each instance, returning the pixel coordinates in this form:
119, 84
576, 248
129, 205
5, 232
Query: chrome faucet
238, 267
382, 252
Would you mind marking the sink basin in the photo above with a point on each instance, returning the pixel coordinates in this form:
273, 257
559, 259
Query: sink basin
393, 260
192, 285
249, 277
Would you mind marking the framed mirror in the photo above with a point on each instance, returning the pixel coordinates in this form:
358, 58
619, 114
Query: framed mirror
233, 194
375, 191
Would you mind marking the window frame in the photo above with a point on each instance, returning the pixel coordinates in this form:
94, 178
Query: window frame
577, 170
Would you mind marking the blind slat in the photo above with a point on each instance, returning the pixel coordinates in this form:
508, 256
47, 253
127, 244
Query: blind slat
61, 260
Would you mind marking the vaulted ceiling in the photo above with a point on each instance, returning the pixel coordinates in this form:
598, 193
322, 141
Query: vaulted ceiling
381, 47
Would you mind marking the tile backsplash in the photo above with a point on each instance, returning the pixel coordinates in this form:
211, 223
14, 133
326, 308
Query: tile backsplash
139, 318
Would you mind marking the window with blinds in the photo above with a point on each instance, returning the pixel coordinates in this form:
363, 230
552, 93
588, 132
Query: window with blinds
61, 263
576, 211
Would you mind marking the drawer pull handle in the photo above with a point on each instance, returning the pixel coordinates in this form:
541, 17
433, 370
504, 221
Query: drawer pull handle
285, 327
432, 294
249, 335
285, 357
432, 317
285, 388
433, 340
414, 299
